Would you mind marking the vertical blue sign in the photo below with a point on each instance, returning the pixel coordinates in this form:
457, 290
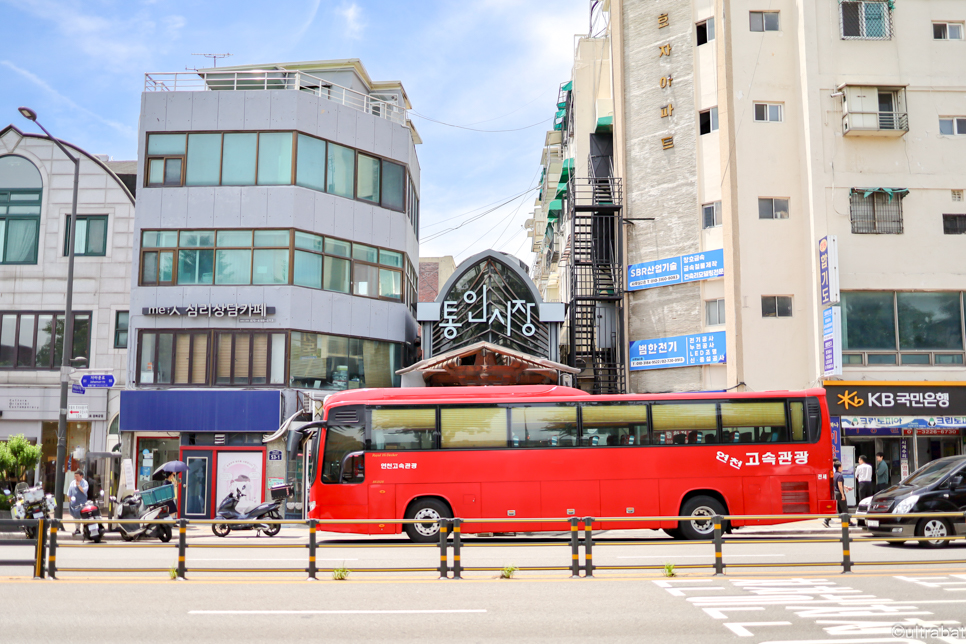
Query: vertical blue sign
824, 281
836, 425
678, 351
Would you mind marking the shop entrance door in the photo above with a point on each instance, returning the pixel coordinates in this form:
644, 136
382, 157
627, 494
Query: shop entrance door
197, 502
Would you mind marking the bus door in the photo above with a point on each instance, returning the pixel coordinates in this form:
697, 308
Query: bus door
344, 494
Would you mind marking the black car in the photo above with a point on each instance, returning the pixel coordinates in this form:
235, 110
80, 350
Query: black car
939, 486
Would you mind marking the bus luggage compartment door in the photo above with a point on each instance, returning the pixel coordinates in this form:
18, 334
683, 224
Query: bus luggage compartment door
630, 498
382, 505
513, 500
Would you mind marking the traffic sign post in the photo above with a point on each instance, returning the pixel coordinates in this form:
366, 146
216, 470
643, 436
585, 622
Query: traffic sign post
97, 380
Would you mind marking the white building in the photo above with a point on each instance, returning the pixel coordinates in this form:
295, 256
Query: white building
36, 182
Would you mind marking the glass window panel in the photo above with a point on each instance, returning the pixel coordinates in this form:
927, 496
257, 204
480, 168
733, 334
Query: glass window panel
915, 358
364, 280
195, 266
403, 429
242, 357
960, 126
223, 367
240, 238
337, 247
307, 269
80, 236
608, 424
232, 266
199, 358
45, 337
166, 267
120, 329
259, 358
798, 420
781, 208
929, 321
271, 266
947, 358
340, 179
336, 275
365, 253
23, 210
390, 284
310, 165
882, 358
8, 342
766, 209
685, 423
96, 236
172, 172
269, 238
182, 356
274, 158
197, 238
147, 358
771, 21
340, 441
769, 306
165, 356
166, 144
25, 342
465, 427
82, 338
393, 185
868, 321
20, 243
149, 268
238, 160
761, 112
390, 258
277, 373
368, 181
155, 172
775, 113
784, 305
308, 241
204, 160
756, 21
551, 426
381, 362
946, 126
749, 422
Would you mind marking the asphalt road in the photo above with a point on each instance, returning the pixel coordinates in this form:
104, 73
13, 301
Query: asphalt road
782, 604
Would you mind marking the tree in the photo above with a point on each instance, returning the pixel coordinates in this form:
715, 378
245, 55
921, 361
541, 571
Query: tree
18, 456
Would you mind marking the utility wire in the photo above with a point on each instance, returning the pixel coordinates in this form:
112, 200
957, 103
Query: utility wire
470, 212
473, 129
439, 234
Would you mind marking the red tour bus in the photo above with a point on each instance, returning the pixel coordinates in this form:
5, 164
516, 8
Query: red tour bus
557, 452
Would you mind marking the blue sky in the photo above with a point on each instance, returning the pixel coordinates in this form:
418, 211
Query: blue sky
486, 64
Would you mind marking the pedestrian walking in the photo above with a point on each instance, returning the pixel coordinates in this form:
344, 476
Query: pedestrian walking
863, 478
881, 472
77, 493
838, 488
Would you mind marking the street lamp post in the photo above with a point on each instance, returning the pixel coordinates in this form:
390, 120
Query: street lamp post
68, 346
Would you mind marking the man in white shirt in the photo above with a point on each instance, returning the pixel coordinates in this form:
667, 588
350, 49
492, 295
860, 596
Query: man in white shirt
863, 479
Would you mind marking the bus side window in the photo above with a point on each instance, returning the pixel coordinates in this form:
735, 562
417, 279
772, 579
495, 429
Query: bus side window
613, 425
544, 426
798, 420
754, 422
339, 441
403, 429
683, 424
467, 427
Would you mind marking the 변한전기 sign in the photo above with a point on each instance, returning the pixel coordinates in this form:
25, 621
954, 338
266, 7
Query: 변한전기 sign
678, 351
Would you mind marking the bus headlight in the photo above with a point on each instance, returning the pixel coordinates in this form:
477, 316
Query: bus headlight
906, 504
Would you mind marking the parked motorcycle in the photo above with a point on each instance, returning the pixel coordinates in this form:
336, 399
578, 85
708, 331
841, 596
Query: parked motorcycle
133, 507
90, 510
32, 503
227, 510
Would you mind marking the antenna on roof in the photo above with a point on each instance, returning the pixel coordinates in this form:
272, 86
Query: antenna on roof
214, 57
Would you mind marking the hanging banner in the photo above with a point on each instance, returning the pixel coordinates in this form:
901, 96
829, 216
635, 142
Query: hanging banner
678, 351
832, 341
836, 430
904, 425
693, 267
828, 270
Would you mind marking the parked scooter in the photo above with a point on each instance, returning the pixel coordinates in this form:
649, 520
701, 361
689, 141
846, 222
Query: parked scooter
264, 511
131, 507
90, 510
31, 503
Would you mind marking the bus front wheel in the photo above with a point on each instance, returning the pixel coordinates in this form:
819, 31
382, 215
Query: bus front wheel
431, 511
703, 509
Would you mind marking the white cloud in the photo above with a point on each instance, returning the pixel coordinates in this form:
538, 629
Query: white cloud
309, 19
354, 21
42, 84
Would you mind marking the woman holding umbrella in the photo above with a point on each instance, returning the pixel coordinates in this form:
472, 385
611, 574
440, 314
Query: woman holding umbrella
169, 472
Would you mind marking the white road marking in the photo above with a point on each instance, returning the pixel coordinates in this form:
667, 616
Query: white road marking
718, 613
279, 559
689, 556
335, 612
738, 628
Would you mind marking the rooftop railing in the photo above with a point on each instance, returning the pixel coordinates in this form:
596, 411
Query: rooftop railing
265, 79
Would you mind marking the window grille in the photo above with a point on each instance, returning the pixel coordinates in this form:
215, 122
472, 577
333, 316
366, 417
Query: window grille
866, 20
879, 213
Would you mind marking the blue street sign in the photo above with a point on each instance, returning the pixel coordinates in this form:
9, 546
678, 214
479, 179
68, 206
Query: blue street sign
678, 351
97, 380
76, 389
694, 267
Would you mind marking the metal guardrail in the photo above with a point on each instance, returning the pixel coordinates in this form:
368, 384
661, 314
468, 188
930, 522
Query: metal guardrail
271, 79
39, 543
451, 565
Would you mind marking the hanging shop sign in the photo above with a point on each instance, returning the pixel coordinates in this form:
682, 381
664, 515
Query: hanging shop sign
694, 267
832, 341
828, 270
896, 398
212, 310
678, 351
479, 309
835, 425
903, 425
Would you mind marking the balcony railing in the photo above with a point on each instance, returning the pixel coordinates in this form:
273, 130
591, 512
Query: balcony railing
875, 123
273, 80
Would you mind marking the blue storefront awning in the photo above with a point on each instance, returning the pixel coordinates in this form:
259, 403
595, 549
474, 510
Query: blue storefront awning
201, 411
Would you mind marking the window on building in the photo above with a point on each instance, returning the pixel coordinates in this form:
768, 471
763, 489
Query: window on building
36, 340
340, 177
768, 112
203, 165
274, 158
776, 306
412, 207
947, 30
956, 195
876, 211
711, 214
166, 154
393, 186
708, 121
714, 312
249, 358
954, 224
952, 125
772, 208
120, 329
173, 358
90, 237
866, 20
367, 183
310, 163
21, 188
239, 159
764, 20
704, 31
332, 362
157, 264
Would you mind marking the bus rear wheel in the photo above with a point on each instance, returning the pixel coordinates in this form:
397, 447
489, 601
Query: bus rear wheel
703, 508
430, 510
